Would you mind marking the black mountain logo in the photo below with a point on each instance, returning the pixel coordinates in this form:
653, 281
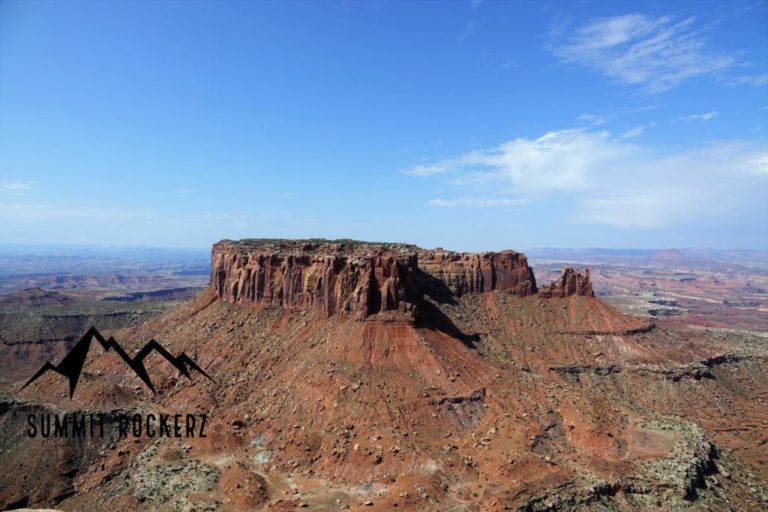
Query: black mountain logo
72, 364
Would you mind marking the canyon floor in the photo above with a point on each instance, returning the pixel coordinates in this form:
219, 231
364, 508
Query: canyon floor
485, 401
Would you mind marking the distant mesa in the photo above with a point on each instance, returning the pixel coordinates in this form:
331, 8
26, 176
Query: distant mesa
362, 279
72, 364
668, 255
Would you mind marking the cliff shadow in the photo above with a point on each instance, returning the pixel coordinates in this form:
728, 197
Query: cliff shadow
436, 289
430, 315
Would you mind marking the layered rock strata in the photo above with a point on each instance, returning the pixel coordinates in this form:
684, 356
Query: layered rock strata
462, 273
332, 277
360, 279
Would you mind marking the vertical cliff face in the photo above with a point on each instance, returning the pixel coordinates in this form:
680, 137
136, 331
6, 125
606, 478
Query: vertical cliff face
571, 282
476, 273
356, 279
320, 276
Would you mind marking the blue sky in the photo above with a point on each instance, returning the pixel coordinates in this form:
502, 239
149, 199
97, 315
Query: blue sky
471, 125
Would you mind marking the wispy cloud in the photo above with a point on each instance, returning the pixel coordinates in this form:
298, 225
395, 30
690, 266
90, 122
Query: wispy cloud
654, 53
510, 63
606, 179
634, 132
593, 119
706, 116
754, 80
16, 185
428, 170
611, 115
481, 202
555, 161
646, 108
467, 32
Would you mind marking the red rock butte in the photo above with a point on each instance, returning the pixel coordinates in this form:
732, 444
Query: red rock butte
379, 377
362, 279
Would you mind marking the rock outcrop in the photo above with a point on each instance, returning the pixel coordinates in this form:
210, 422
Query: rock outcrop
571, 282
507, 271
356, 279
336, 278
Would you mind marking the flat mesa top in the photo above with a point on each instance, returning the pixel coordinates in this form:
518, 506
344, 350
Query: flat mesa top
341, 246
320, 245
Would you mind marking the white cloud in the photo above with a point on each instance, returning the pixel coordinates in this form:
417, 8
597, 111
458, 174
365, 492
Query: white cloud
634, 132
429, 170
702, 185
556, 161
601, 178
706, 116
759, 165
646, 108
16, 185
482, 202
654, 53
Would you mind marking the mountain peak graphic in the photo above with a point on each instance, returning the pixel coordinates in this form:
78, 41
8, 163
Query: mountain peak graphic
72, 364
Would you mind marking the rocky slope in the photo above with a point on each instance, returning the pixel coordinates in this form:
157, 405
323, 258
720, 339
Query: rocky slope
462, 390
40, 324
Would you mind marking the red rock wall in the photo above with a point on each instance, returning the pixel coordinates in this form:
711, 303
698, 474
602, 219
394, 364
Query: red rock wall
480, 272
335, 284
360, 282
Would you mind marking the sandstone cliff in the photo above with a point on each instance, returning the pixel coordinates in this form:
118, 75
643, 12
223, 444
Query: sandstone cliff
356, 279
334, 278
476, 273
